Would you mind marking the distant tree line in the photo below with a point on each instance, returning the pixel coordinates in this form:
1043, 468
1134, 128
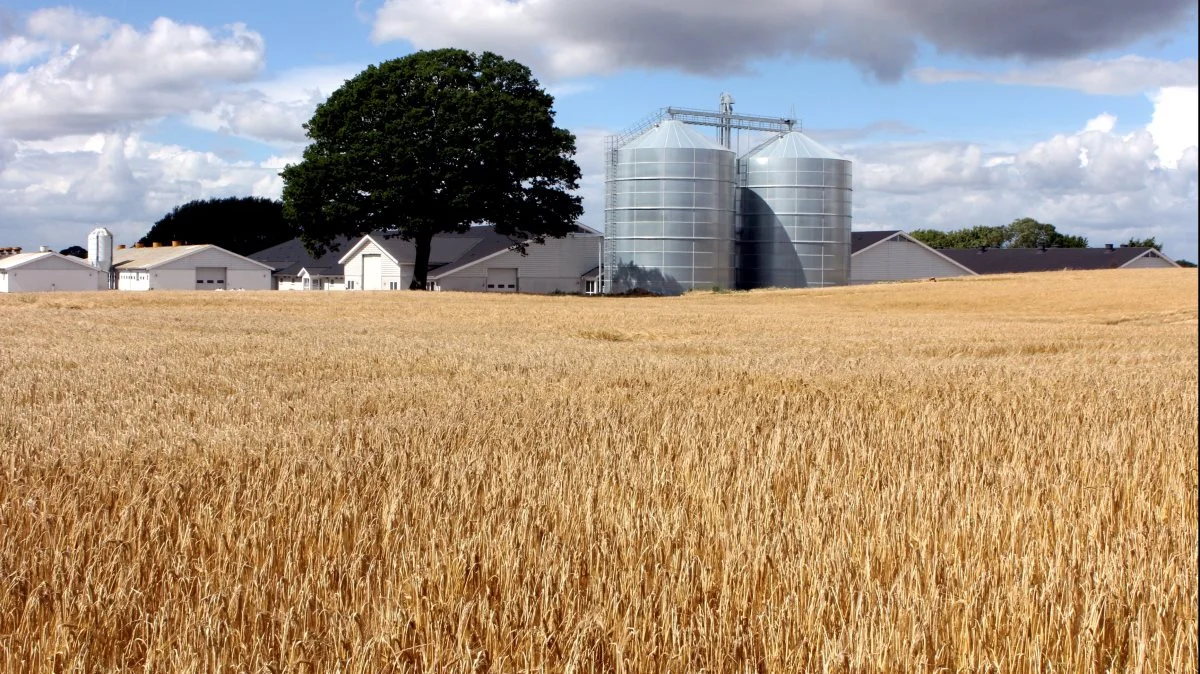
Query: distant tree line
243, 225
1020, 233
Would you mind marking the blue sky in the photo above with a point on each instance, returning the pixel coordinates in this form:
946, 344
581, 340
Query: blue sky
1081, 113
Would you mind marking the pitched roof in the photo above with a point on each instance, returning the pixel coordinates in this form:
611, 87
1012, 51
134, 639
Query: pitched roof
861, 240
21, 259
144, 258
487, 246
289, 257
1017, 260
446, 248
151, 257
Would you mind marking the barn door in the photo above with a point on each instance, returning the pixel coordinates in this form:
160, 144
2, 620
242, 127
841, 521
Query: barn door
210, 278
502, 280
372, 272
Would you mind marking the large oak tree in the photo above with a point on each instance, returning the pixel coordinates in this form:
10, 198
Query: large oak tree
435, 142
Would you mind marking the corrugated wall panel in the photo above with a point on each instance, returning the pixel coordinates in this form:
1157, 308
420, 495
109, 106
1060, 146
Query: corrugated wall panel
899, 261
569, 257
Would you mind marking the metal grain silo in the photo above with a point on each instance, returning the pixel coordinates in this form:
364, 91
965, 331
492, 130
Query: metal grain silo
669, 226
794, 215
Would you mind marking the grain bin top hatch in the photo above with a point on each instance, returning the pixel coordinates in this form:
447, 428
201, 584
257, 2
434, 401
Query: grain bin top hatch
672, 134
793, 145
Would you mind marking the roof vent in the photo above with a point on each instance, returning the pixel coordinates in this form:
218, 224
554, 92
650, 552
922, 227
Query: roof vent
983, 249
139, 244
43, 249
175, 244
121, 246
156, 244
1108, 247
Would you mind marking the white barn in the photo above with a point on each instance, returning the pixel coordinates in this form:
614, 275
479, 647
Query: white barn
203, 267
48, 271
896, 256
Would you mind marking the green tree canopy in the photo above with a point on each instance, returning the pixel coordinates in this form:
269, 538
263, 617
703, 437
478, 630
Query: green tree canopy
243, 225
1185, 263
74, 251
1020, 233
1144, 243
434, 142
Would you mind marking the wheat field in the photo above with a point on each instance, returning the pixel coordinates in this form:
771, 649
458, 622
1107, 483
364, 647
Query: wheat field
990, 474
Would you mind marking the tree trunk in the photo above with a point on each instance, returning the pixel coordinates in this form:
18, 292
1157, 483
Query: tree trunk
423, 242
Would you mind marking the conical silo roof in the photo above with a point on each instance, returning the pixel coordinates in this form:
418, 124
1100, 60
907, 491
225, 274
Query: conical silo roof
672, 134
794, 145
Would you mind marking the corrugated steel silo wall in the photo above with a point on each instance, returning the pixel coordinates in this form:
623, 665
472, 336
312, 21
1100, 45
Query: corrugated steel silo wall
670, 226
794, 222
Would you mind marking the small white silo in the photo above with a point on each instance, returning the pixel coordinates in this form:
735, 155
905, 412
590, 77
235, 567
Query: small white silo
100, 248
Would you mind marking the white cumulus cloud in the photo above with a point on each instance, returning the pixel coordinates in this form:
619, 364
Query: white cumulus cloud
1095, 182
274, 111
1174, 125
99, 74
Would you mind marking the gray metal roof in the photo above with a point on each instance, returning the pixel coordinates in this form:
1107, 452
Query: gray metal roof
149, 256
490, 243
1016, 260
673, 134
20, 259
289, 257
794, 145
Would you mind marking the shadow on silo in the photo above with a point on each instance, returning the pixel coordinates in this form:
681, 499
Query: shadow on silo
767, 255
631, 278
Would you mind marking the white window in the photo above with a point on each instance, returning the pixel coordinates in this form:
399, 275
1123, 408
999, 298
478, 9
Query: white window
589, 287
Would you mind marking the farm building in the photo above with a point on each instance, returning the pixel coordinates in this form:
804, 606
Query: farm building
560, 265
48, 271
896, 256
1017, 260
296, 269
478, 259
176, 267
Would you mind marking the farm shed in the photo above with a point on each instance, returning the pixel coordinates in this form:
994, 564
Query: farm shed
896, 256
1018, 260
48, 271
203, 267
296, 269
474, 260
559, 265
